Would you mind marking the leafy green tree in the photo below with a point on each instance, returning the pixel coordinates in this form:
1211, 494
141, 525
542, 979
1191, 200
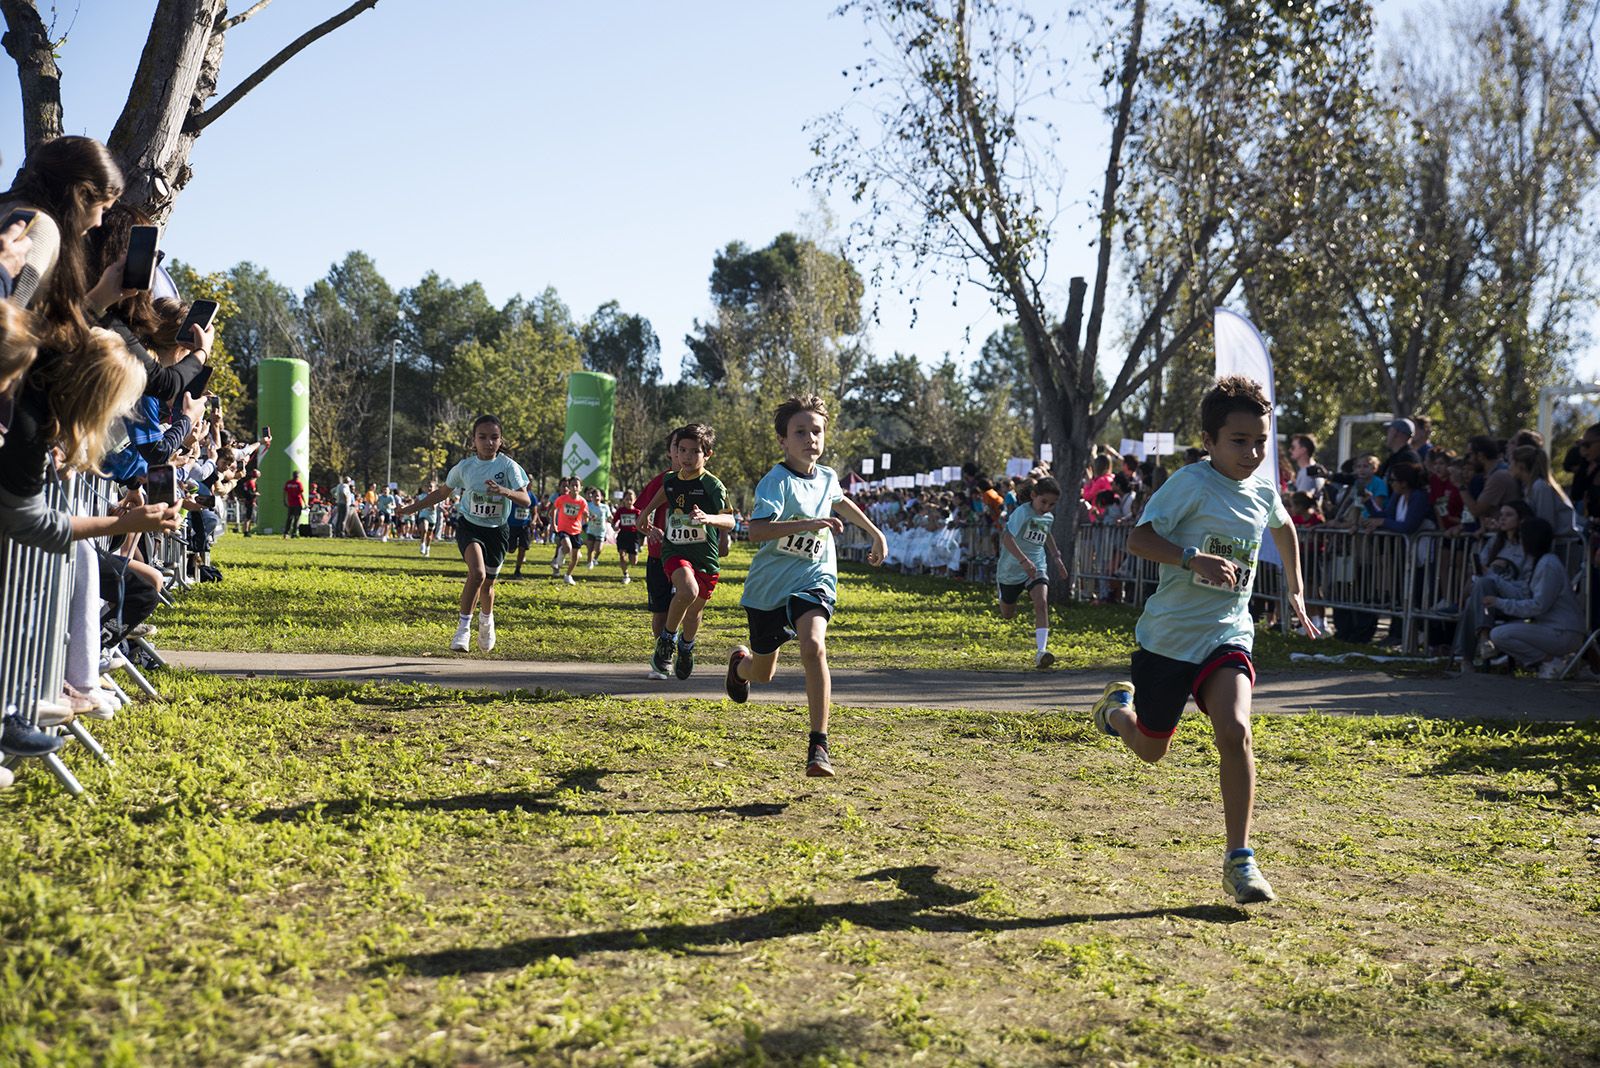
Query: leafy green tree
520, 377
1215, 105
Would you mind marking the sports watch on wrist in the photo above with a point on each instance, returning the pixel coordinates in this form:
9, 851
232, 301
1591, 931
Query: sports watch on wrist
1188, 557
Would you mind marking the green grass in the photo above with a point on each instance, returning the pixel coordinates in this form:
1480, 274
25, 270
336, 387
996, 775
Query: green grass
328, 596
332, 874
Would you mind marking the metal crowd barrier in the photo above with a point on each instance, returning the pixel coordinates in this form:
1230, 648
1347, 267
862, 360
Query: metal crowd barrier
1413, 580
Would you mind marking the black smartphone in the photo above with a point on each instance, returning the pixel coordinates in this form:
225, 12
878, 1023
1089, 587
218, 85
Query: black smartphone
197, 388
161, 484
202, 313
23, 215
139, 271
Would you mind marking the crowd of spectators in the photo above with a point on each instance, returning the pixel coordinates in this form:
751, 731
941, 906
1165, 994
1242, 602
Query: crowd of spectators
1490, 501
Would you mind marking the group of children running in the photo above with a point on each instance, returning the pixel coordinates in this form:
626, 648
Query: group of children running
1203, 526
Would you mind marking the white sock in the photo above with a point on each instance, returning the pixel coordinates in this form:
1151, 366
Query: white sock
485, 618
466, 621
1041, 637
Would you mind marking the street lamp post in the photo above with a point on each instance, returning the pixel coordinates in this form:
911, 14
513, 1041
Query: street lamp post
388, 469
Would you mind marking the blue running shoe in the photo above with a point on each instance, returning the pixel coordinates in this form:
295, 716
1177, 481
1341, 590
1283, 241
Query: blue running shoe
1117, 694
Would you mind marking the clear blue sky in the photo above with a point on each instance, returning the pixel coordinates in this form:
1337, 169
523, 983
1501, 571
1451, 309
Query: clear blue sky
607, 150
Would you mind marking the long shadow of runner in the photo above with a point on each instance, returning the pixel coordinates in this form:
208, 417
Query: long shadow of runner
585, 780
923, 893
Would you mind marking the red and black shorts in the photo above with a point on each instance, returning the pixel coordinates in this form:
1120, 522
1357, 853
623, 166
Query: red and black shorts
707, 583
1162, 686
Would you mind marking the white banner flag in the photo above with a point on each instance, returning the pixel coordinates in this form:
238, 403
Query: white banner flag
885, 461
1047, 453
1242, 351
867, 468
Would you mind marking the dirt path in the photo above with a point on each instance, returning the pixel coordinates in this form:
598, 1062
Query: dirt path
1341, 693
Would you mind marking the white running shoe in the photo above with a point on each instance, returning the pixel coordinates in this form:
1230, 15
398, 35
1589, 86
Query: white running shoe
626, 579
486, 633
458, 644
571, 581
591, 565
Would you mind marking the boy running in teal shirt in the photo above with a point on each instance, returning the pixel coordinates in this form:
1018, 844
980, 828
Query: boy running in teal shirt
794, 578
1203, 526
1021, 570
697, 514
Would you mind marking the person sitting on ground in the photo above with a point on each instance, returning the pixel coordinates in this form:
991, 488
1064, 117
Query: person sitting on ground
1502, 566
1546, 624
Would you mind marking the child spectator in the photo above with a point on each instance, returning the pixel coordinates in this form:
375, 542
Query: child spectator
1303, 510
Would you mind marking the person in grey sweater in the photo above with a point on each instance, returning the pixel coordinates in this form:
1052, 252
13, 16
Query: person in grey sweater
1548, 623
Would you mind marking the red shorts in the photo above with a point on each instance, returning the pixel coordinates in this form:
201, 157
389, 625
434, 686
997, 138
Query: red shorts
707, 583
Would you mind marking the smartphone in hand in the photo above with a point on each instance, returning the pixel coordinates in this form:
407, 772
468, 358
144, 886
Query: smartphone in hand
202, 313
22, 215
161, 484
139, 270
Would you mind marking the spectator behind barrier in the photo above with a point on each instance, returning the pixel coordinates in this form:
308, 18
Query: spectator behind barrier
1548, 622
1530, 466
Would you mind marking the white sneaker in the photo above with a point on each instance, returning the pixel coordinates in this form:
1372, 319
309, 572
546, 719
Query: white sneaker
1552, 668
591, 565
6, 779
571, 581
458, 644
626, 579
486, 633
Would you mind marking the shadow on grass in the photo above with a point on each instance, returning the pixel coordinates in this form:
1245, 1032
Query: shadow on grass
921, 895
1567, 753
818, 1041
547, 802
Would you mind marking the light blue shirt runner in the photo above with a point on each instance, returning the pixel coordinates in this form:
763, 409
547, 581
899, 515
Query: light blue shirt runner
467, 479
796, 564
1029, 529
1187, 618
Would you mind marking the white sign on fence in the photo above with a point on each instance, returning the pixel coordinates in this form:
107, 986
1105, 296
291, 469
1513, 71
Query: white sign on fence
1132, 447
1047, 452
952, 473
1159, 445
1018, 467
867, 466
885, 461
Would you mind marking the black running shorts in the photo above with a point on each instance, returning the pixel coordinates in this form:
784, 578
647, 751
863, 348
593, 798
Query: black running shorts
771, 627
1162, 686
657, 587
1011, 592
493, 540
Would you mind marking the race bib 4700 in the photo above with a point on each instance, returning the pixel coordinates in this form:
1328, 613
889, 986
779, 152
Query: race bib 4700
683, 531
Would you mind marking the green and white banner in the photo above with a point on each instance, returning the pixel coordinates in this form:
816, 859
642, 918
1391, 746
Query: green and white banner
591, 407
283, 400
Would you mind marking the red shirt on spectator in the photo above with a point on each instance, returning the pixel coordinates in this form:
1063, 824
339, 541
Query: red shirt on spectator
1447, 504
294, 493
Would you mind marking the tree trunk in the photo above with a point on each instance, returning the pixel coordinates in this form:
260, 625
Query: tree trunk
177, 74
27, 41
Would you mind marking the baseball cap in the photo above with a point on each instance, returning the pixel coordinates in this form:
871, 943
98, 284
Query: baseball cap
1406, 425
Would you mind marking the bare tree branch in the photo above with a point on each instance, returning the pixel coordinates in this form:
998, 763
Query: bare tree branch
245, 16
199, 122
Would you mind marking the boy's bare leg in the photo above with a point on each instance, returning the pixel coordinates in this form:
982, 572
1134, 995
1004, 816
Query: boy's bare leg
1144, 746
690, 626
1007, 610
812, 631
686, 591
1227, 695
486, 596
759, 667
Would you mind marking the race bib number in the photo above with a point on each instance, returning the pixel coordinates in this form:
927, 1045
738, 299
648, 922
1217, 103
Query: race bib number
1035, 535
483, 507
1240, 551
681, 531
569, 510
810, 545
628, 520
